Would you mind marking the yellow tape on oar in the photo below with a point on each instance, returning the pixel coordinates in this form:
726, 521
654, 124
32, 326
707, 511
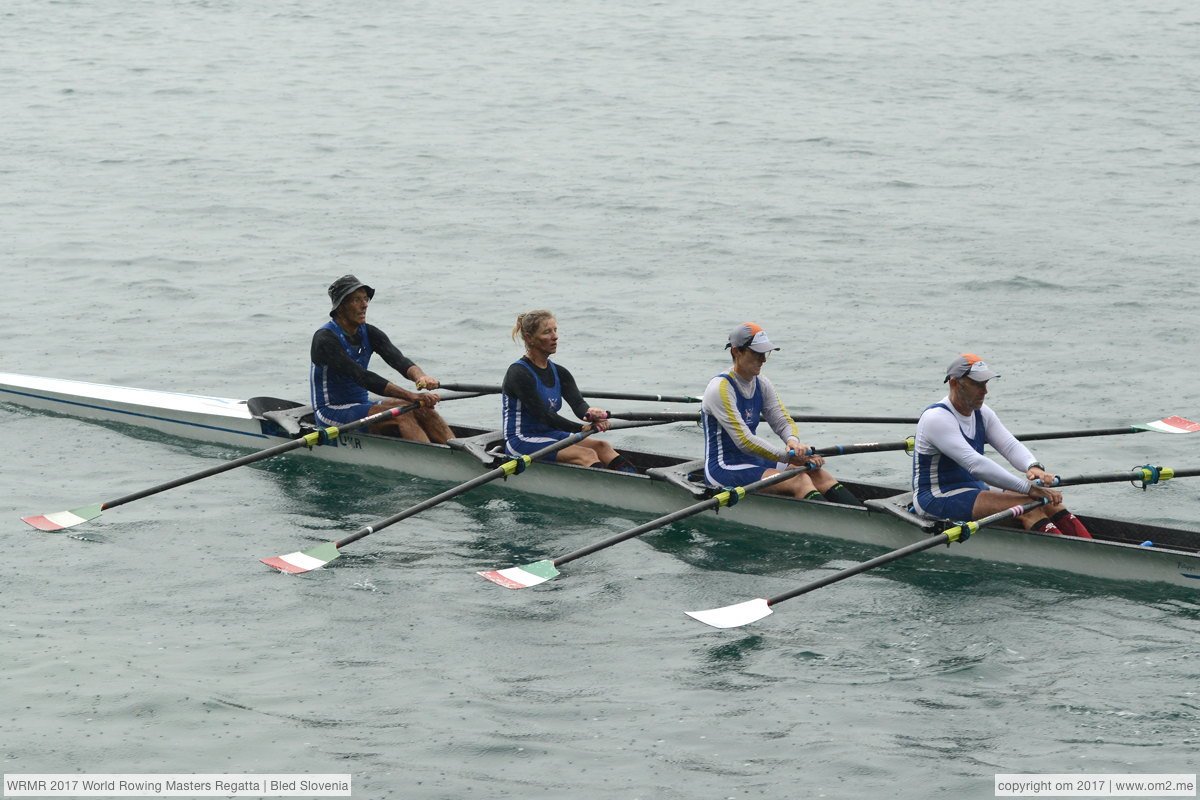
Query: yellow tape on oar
955, 534
516, 466
730, 497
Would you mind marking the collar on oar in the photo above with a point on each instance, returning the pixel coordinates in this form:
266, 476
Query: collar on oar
1151, 475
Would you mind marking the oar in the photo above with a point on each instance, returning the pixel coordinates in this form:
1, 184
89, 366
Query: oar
744, 613
654, 398
1146, 475
694, 416
60, 520
523, 577
319, 556
1168, 425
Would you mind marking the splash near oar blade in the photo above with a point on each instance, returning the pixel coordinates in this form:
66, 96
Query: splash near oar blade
304, 560
522, 577
1171, 425
733, 616
61, 520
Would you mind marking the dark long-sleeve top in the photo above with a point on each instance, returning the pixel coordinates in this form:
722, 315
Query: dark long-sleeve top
519, 383
327, 351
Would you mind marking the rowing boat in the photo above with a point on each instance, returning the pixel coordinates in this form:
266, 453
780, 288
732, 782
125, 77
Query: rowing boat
1117, 552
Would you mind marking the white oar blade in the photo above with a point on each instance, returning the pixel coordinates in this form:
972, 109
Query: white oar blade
522, 577
304, 560
60, 520
1171, 425
733, 616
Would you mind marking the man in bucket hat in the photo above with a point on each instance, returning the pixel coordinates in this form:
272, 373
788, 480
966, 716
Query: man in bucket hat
734, 403
339, 380
951, 475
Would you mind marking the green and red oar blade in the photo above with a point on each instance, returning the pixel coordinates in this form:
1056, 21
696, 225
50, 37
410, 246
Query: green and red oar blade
733, 616
304, 560
522, 577
61, 520
1171, 425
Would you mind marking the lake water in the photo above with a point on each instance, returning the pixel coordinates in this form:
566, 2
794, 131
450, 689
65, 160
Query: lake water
880, 186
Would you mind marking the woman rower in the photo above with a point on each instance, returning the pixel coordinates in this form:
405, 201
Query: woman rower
534, 391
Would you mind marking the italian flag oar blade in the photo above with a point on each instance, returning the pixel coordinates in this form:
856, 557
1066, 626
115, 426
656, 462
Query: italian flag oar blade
1171, 425
522, 577
61, 520
304, 560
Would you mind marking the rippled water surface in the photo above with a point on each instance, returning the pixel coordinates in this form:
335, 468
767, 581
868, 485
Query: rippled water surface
881, 187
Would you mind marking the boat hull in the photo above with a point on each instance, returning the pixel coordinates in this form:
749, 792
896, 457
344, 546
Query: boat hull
228, 421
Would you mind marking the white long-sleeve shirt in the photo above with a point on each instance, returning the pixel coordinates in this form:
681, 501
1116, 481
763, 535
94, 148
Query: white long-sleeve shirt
941, 431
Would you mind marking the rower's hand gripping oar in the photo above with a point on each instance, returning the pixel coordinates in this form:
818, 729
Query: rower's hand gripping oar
60, 520
744, 613
523, 577
653, 398
319, 556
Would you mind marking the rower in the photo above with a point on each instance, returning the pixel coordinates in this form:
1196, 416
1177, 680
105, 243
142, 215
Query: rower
339, 380
534, 391
734, 453
951, 475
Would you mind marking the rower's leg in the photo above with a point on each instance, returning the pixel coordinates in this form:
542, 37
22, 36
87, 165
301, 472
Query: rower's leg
989, 502
403, 426
799, 486
603, 451
1070, 524
432, 425
832, 489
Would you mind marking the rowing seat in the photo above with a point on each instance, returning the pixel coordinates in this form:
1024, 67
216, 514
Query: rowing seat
900, 506
291, 419
483, 446
680, 475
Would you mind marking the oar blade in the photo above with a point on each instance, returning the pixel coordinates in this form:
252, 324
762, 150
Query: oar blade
522, 577
61, 520
1170, 425
304, 560
733, 616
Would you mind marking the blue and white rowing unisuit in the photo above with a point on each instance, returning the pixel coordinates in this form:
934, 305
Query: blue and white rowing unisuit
734, 454
949, 467
523, 432
335, 398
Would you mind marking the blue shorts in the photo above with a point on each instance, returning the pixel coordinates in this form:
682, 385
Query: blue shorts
738, 474
956, 505
340, 415
528, 445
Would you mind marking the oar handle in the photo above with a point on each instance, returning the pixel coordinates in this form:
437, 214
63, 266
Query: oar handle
953, 534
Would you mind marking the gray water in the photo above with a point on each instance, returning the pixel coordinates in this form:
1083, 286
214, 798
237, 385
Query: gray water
881, 186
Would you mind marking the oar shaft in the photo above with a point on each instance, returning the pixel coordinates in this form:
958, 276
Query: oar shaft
694, 416
915, 547
1142, 474
713, 502
654, 398
307, 440
505, 469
